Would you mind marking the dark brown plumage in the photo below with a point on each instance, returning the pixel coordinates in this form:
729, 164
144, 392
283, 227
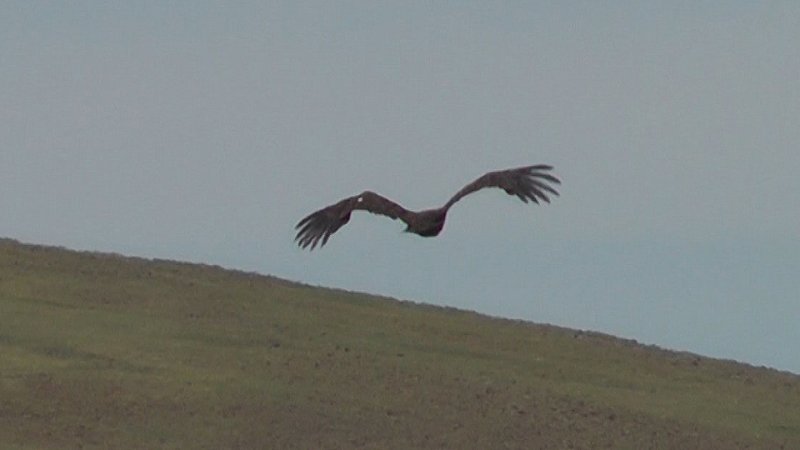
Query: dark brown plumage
528, 183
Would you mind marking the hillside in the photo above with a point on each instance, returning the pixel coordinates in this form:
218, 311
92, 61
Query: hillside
105, 351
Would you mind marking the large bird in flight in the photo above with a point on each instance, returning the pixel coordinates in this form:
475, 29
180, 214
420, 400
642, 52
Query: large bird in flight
528, 183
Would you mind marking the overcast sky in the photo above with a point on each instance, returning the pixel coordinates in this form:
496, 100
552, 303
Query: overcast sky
204, 131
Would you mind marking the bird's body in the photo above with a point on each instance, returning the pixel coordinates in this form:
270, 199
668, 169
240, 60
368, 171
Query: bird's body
527, 183
427, 223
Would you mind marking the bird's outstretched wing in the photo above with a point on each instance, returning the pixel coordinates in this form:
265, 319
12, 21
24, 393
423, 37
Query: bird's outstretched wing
527, 183
318, 226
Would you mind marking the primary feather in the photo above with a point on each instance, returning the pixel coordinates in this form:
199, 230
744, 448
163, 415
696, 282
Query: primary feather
527, 183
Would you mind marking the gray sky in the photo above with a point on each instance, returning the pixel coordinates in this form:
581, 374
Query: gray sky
202, 131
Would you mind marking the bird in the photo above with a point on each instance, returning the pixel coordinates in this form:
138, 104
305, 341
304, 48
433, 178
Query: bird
528, 183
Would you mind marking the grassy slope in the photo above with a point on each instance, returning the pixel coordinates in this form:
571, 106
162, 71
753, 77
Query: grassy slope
101, 351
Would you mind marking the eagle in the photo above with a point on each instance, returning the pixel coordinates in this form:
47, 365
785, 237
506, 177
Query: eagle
528, 183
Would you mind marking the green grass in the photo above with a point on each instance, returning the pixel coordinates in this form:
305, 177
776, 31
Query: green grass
102, 351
